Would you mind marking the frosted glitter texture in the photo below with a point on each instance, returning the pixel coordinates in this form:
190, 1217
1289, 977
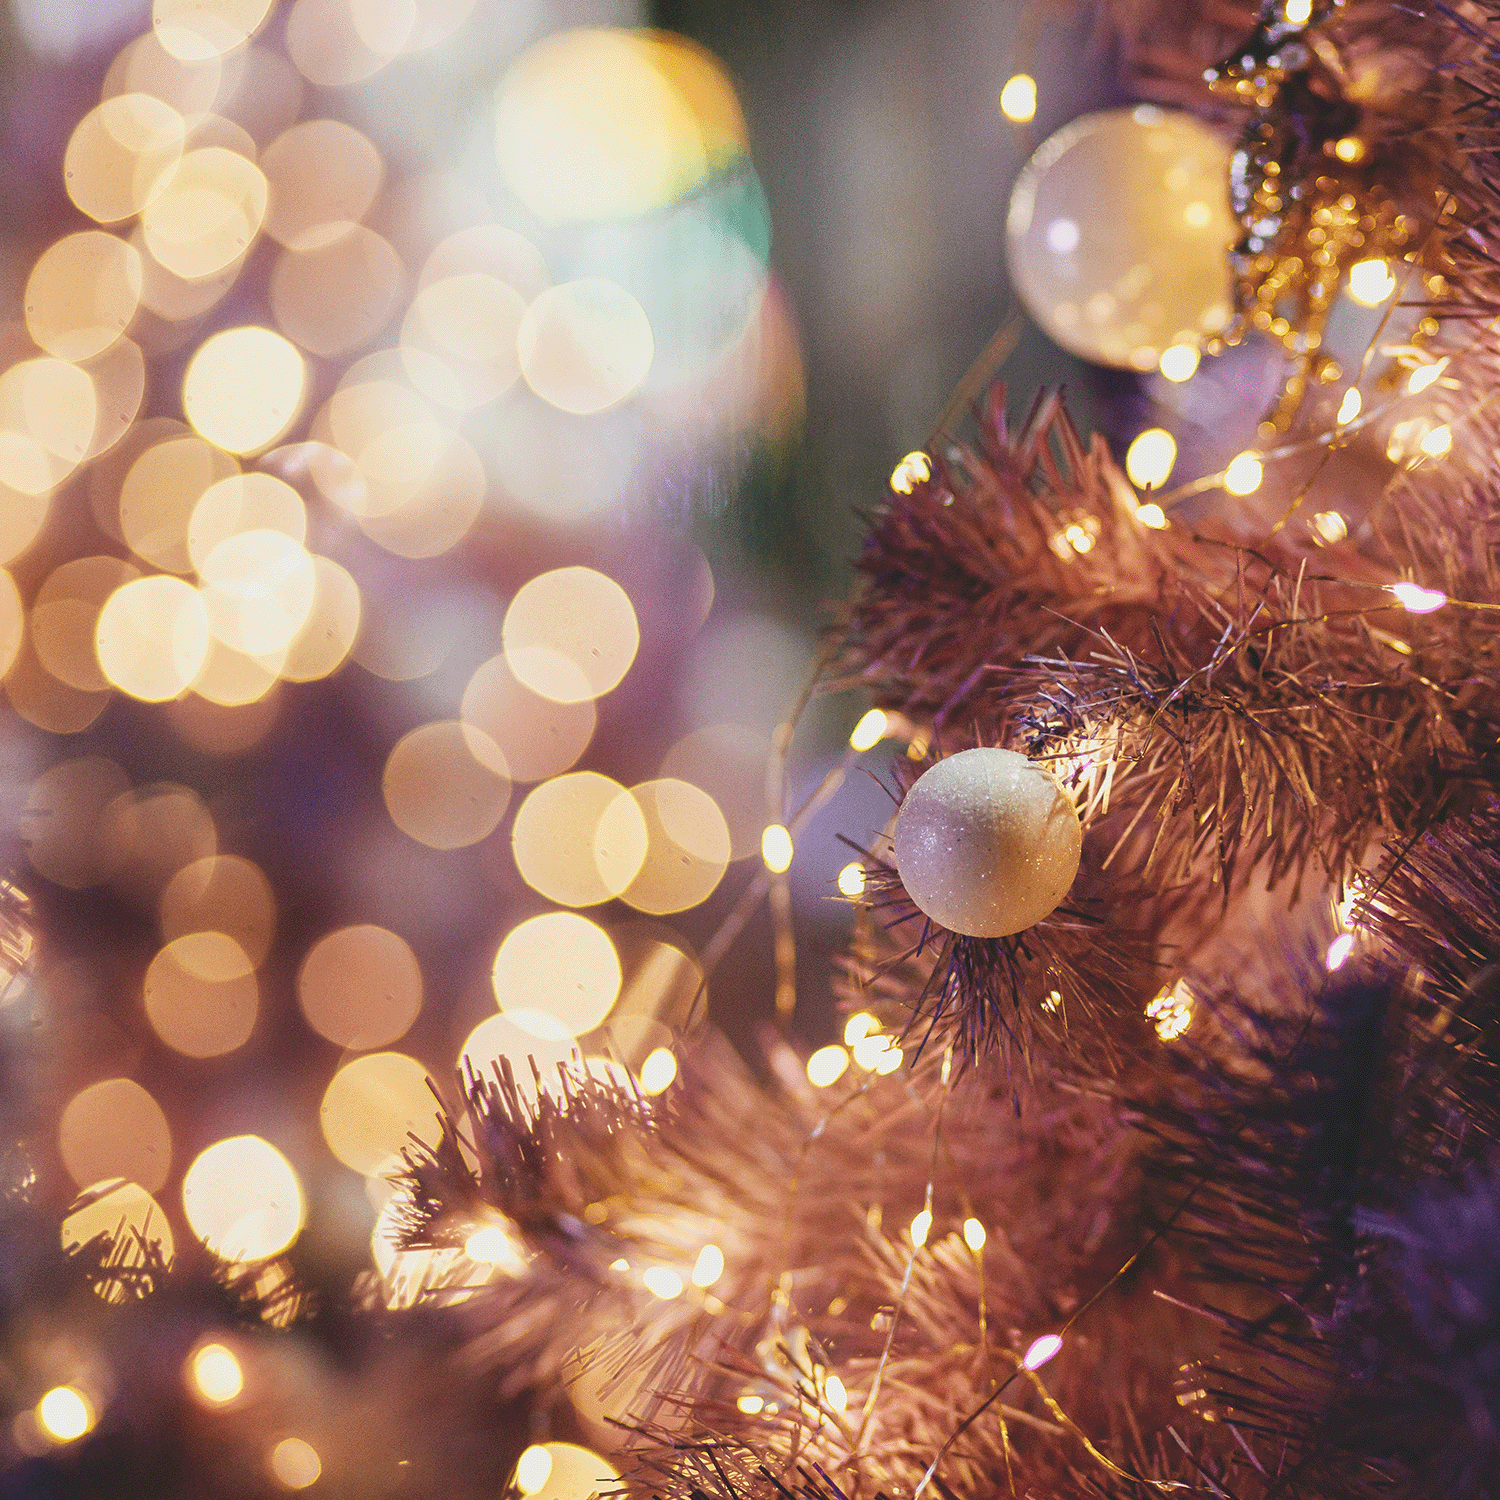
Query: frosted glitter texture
987, 843
1119, 233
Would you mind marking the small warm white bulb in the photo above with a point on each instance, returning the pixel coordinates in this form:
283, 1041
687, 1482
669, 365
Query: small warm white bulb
1425, 375
1018, 99
776, 848
1371, 282
974, 1235
1350, 406
1179, 362
751, 1405
658, 1071
869, 731
835, 1394
65, 1413
216, 1374
1244, 474
533, 1469
662, 1282
1338, 951
1149, 459
1152, 515
920, 1228
1437, 442
1041, 1351
914, 469
860, 1025
826, 1066
709, 1266
852, 880
1416, 600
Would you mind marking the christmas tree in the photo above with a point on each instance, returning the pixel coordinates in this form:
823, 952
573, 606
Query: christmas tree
1156, 1152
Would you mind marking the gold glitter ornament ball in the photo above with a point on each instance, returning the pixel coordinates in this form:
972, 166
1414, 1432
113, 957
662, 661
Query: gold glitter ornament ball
987, 843
1119, 233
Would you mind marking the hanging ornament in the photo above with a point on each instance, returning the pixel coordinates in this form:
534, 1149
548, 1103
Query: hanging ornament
1304, 184
987, 843
1118, 234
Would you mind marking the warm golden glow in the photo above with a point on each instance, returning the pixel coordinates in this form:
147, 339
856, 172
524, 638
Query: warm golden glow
371, 1107
114, 1128
65, 1413
159, 494
152, 637
834, 1394
201, 995
1371, 282
579, 839
1171, 1011
860, 1025
974, 1235
585, 346
1425, 375
852, 880
869, 731
728, 761
776, 848
499, 1037
239, 503
1152, 515
561, 965
658, 1072
687, 847
137, 1229
914, 469
209, 214
65, 613
295, 1463
243, 1200
1018, 99
571, 634
361, 987
446, 785
1437, 442
826, 1066
215, 1375
662, 1282
709, 1266
1329, 527
59, 825
48, 410
222, 893
197, 29
1149, 458
258, 589
82, 294
122, 156
921, 1226
243, 388
1244, 474
588, 127
533, 1469
538, 736
323, 177
1297, 13
1179, 362
1349, 148
1349, 407
332, 625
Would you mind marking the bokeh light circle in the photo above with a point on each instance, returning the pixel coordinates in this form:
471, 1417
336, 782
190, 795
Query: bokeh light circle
152, 637
579, 839
114, 1128
201, 994
688, 847
371, 1108
570, 634
222, 893
122, 155
243, 1199
446, 785
585, 346
561, 965
360, 987
82, 293
243, 388
538, 737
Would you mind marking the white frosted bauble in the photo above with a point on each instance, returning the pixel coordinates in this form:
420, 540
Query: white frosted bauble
1119, 235
987, 843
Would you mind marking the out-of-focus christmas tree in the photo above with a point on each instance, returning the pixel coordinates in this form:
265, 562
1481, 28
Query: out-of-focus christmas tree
1157, 1150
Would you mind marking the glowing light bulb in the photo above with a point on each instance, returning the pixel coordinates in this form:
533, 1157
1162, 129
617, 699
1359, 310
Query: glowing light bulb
776, 848
869, 731
1041, 1351
65, 1413
1425, 376
1416, 600
1149, 459
1349, 407
860, 1025
1338, 951
491, 1246
826, 1066
1349, 148
1244, 474
1330, 526
533, 1469
751, 1405
1152, 515
662, 1282
1179, 362
1018, 99
216, 1374
1437, 442
921, 1226
852, 880
1172, 1011
974, 1235
1371, 282
835, 1394
658, 1071
914, 469
709, 1266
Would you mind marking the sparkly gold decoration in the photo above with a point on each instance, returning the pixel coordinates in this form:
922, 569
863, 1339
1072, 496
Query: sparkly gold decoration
1303, 188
